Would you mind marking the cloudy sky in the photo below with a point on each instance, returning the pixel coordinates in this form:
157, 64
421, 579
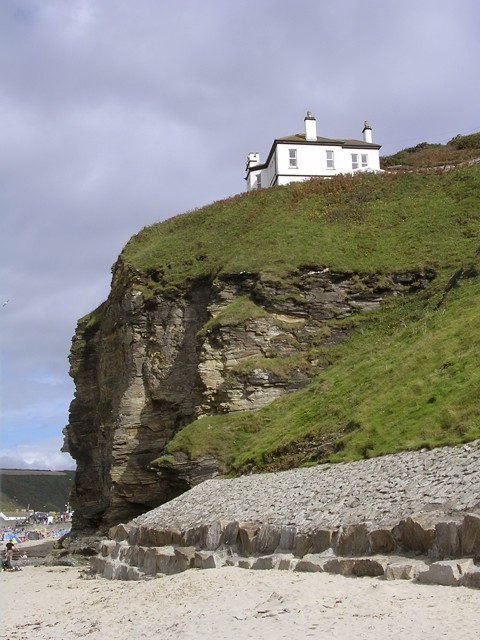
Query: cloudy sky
119, 113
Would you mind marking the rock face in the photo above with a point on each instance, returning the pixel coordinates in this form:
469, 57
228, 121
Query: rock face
145, 364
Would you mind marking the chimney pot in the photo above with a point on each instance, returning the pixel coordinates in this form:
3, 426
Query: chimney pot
310, 127
367, 132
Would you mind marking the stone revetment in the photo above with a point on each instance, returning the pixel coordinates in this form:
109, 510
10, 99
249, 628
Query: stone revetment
412, 515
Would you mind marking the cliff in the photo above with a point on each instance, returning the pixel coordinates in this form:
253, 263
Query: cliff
224, 311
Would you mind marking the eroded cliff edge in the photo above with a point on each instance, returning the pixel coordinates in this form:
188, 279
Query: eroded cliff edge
147, 363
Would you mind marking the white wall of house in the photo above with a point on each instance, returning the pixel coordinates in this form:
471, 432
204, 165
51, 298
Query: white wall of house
252, 179
269, 173
293, 162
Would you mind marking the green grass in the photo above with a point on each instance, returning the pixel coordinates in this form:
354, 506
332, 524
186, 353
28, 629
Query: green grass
408, 378
43, 491
366, 223
238, 311
424, 155
9, 505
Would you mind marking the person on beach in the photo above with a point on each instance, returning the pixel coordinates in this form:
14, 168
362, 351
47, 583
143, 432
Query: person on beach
9, 555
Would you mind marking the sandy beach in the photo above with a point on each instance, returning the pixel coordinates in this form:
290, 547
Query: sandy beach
58, 602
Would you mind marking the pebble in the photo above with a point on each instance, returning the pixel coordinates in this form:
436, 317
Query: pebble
379, 490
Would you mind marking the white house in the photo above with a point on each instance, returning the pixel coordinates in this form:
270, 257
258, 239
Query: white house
306, 155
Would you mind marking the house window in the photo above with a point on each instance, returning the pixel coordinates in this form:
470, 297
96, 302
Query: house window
330, 164
292, 158
356, 163
258, 181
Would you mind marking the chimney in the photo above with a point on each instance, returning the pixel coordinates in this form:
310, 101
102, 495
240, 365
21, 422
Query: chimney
367, 132
252, 160
310, 127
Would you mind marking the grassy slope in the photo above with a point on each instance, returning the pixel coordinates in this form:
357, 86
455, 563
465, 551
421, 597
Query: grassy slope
371, 223
459, 149
42, 491
409, 377
8, 505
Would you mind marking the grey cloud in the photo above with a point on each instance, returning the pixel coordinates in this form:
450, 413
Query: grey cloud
118, 114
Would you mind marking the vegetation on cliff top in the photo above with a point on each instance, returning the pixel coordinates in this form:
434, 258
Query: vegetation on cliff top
457, 150
408, 377
365, 223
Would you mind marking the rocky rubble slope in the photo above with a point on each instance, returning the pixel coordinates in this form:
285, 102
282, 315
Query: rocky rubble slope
354, 519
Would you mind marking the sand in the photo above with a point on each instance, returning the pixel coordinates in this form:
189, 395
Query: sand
59, 602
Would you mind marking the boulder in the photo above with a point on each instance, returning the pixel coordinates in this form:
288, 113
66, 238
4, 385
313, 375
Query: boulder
213, 538
138, 556
471, 578
471, 535
231, 561
287, 538
132, 535
415, 533
381, 541
120, 532
204, 560
112, 571
321, 540
229, 533
246, 536
127, 553
145, 536
133, 573
302, 545
150, 561
115, 550
169, 562
97, 564
194, 537
404, 569
267, 539
340, 566
185, 556
264, 562
310, 564
188, 537
445, 572
285, 563
351, 540
245, 563
124, 550
371, 567
161, 537
106, 547
123, 571
447, 541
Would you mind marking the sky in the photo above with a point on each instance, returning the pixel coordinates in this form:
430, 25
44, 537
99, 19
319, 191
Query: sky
116, 114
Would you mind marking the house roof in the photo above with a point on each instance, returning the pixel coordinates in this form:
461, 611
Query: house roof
299, 138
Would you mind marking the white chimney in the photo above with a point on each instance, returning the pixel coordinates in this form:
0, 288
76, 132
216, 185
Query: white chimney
252, 160
367, 132
310, 127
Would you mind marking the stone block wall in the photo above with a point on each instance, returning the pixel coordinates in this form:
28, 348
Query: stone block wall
433, 552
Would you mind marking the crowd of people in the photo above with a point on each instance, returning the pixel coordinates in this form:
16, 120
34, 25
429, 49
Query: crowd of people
37, 527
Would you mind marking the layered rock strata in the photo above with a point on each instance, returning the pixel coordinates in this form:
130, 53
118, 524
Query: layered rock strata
148, 362
352, 519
